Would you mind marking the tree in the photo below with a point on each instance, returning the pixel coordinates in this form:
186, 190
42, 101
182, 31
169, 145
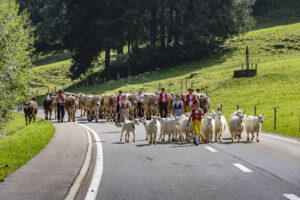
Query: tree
95, 26
49, 19
16, 39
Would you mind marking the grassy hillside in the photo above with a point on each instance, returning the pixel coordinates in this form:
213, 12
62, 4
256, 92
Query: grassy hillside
22, 142
276, 49
277, 52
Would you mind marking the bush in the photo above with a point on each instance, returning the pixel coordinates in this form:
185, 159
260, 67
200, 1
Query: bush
16, 41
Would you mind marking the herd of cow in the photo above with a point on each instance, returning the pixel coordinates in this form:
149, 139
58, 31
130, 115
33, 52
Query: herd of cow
96, 107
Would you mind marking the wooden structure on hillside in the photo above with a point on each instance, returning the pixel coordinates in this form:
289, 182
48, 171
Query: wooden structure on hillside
249, 71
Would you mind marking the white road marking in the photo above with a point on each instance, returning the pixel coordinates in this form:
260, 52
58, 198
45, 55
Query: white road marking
210, 149
242, 167
281, 138
291, 196
83, 171
97, 174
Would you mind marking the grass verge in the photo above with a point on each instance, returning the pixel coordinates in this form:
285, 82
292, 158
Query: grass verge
22, 142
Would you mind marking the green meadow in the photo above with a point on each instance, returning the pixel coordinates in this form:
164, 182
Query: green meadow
22, 142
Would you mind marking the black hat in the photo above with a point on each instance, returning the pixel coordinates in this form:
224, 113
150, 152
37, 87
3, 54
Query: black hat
60, 91
120, 91
198, 89
163, 89
190, 89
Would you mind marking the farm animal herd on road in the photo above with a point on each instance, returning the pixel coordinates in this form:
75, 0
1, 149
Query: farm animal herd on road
180, 118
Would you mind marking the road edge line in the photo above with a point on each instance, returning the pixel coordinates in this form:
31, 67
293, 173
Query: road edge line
98, 170
281, 138
73, 191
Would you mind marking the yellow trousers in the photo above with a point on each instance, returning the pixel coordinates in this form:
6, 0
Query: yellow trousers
197, 127
189, 109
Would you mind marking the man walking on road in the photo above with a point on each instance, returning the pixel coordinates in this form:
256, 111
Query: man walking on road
163, 103
117, 100
140, 101
196, 116
60, 98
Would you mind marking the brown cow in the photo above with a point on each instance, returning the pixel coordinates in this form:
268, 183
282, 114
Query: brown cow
82, 100
48, 108
71, 106
92, 105
133, 111
204, 101
30, 110
150, 104
109, 106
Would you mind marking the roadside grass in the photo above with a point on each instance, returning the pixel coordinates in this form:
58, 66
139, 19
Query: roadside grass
22, 142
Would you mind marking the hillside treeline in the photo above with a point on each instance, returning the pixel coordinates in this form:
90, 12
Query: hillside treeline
151, 34
158, 33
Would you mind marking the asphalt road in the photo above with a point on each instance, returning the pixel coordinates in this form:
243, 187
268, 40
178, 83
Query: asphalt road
265, 170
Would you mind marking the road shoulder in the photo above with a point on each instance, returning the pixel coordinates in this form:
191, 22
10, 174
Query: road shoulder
49, 174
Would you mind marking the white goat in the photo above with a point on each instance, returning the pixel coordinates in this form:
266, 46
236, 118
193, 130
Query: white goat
146, 125
189, 131
253, 125
162, 126
153, 129
236, 126
208, 127
171, 128
220, 126
129, 126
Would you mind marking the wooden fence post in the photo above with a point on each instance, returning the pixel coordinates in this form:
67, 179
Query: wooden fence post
275, 111
237, 107
299, 120
181, 85
254, 110
185, 84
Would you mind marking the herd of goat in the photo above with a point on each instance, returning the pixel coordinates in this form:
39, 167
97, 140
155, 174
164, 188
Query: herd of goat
96, 107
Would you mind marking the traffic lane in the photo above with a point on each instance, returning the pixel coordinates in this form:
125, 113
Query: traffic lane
176, 171
275, 156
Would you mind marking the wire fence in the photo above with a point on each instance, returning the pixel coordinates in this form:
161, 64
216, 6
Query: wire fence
276, 119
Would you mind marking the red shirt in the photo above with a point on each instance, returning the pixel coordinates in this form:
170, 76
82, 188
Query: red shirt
198, 115
161, 97
188, 99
